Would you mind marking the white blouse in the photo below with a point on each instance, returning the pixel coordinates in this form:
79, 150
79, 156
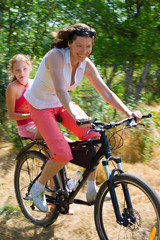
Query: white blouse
42, 93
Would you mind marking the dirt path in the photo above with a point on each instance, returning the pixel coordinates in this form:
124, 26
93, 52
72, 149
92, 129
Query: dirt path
79, 226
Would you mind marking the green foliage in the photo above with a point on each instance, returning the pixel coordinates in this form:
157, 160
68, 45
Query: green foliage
9, 131
148, 137
128, 35
24, 28
91, 101
128, 31
8, 211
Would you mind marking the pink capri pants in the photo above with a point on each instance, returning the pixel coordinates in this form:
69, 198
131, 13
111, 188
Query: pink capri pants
46, 123
28, 130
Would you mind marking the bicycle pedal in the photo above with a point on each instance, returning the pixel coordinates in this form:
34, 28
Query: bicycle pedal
28, 198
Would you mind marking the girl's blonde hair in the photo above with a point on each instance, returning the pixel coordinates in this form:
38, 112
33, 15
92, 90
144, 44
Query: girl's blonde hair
18, 58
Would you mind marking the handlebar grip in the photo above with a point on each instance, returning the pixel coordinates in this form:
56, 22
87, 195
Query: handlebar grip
82, 122
147, 116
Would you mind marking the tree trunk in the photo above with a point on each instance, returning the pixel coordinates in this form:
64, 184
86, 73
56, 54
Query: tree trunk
108, 78
129, 70
111, 76
144, 81
141, 83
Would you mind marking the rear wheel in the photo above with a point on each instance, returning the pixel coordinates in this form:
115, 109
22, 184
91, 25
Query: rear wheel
29, 166
143, 220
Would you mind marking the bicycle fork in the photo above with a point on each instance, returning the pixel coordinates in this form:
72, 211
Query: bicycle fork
127, 217
121, 217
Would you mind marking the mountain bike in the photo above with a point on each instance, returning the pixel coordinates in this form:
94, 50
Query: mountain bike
134, 209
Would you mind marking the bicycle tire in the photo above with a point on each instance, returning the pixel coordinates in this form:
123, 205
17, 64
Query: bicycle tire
146, 208
28, 166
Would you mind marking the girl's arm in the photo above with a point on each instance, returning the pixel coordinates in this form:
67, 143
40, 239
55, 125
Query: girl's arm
10, 101
110, 97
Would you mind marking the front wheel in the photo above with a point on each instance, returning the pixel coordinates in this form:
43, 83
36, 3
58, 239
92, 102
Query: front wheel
28, 168
145, 209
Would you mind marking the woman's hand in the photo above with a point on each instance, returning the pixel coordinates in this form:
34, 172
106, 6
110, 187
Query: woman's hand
137, 114
79, 118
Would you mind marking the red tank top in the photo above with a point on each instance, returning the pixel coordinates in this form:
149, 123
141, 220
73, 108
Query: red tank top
21, 106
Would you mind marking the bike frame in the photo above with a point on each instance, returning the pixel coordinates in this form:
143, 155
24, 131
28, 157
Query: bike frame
60, 197
104, 150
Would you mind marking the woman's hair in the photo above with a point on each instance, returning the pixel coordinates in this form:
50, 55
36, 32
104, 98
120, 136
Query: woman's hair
18, 58
68, 34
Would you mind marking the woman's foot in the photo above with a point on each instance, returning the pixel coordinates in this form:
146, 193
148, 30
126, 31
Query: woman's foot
39, 199
91, 196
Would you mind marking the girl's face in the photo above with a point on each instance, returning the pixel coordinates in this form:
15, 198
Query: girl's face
21, 71
80, 48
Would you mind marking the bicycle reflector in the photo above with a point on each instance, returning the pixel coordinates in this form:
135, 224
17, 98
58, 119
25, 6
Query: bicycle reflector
153, 234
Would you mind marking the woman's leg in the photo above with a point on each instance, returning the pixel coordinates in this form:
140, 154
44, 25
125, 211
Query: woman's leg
82, 134
47, 125
70, 124
51, 168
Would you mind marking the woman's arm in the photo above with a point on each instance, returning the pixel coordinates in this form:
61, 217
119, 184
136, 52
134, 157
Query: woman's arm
110, 97
10, 101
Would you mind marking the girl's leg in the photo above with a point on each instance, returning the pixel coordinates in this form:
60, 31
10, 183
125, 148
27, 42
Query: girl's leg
29, 130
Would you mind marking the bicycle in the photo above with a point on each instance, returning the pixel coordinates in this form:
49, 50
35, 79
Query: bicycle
134, 209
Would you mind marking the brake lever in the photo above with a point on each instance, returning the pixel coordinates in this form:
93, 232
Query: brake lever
131, 123
94, 128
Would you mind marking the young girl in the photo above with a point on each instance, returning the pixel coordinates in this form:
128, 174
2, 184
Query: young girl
17, 105
20, 68
60, 71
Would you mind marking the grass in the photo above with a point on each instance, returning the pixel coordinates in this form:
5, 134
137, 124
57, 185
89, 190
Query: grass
8, 211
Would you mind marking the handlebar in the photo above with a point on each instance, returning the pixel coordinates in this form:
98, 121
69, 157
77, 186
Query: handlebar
130, 122
147, 115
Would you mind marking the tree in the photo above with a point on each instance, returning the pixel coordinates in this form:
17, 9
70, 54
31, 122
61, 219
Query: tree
128, 39
128, 36
24, 28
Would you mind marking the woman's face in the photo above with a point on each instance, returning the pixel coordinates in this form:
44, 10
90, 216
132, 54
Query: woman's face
80, 48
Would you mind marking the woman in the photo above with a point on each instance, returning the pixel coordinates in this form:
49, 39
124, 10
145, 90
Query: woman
61, 70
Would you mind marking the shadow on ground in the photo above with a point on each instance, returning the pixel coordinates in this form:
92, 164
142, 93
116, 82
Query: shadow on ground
11, 229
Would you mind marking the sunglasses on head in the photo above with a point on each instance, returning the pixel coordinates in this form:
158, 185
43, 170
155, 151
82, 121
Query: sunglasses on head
82, 32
